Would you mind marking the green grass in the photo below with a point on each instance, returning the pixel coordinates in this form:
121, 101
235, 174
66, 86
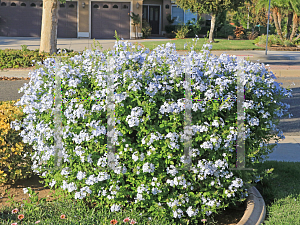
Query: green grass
220, 44
280, 191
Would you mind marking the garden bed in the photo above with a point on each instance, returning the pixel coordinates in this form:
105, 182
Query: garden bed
280, 48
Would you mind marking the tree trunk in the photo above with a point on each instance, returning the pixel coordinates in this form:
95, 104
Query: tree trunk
279, 18
275, 10
49, 26
289, 25
295, 27
212, 28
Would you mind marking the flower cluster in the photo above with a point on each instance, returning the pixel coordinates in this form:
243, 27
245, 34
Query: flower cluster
149, 104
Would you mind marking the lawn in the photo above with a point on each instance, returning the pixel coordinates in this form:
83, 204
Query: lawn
220, 44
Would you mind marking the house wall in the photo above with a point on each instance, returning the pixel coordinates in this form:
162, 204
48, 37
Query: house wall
163, 10
85, 17
165, 13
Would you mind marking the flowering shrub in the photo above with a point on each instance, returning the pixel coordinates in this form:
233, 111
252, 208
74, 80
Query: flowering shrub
149, 93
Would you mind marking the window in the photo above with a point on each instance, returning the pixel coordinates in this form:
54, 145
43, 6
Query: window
181, 16
62, 5
3, 4
71, 6
13, 4
105, 6
23, 4
125, 6
115, 6
32, 5
96, 6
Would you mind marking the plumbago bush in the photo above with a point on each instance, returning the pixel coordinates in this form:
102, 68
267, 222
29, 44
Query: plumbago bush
149, 93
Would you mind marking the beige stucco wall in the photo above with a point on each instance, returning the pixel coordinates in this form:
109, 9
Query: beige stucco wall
137, 11
83, 16
164, 11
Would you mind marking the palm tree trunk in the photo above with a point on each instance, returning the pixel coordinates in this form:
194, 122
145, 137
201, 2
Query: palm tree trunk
289, 25
275, 10
49, 26
212, 28
279, 18
295, 27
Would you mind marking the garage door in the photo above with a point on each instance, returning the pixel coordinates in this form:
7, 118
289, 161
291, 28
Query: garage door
67, 20
108, 17
24, 18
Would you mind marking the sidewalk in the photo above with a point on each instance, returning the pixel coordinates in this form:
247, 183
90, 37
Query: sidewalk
287, 150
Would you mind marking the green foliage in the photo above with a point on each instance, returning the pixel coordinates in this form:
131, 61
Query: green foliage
136, 19
170, 20
182, 32
208, 6
15, 161
160, 154
146, 28
11, 58
220, 21
194, 27
226, 30
272, 40
170, 28
288, 43
252, 35
24, 48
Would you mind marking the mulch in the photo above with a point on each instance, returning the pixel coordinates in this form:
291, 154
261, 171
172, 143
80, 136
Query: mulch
279, 48
14, 78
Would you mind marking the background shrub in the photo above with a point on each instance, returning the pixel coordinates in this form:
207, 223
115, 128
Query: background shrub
182, 32
252, 35
146, 28
11, 58
15, 161
272, 40
226, 30
194, 27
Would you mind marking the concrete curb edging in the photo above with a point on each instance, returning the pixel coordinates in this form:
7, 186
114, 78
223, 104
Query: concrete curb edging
256, 209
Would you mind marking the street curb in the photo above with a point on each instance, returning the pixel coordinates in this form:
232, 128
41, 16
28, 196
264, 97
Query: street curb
256, 209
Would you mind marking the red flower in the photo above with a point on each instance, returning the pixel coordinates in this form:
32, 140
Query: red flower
113, 222
126, 220
21, 216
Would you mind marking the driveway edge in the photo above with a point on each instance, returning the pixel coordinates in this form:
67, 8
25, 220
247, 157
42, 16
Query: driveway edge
256, 209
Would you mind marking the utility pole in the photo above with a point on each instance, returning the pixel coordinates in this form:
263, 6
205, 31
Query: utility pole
268, 27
